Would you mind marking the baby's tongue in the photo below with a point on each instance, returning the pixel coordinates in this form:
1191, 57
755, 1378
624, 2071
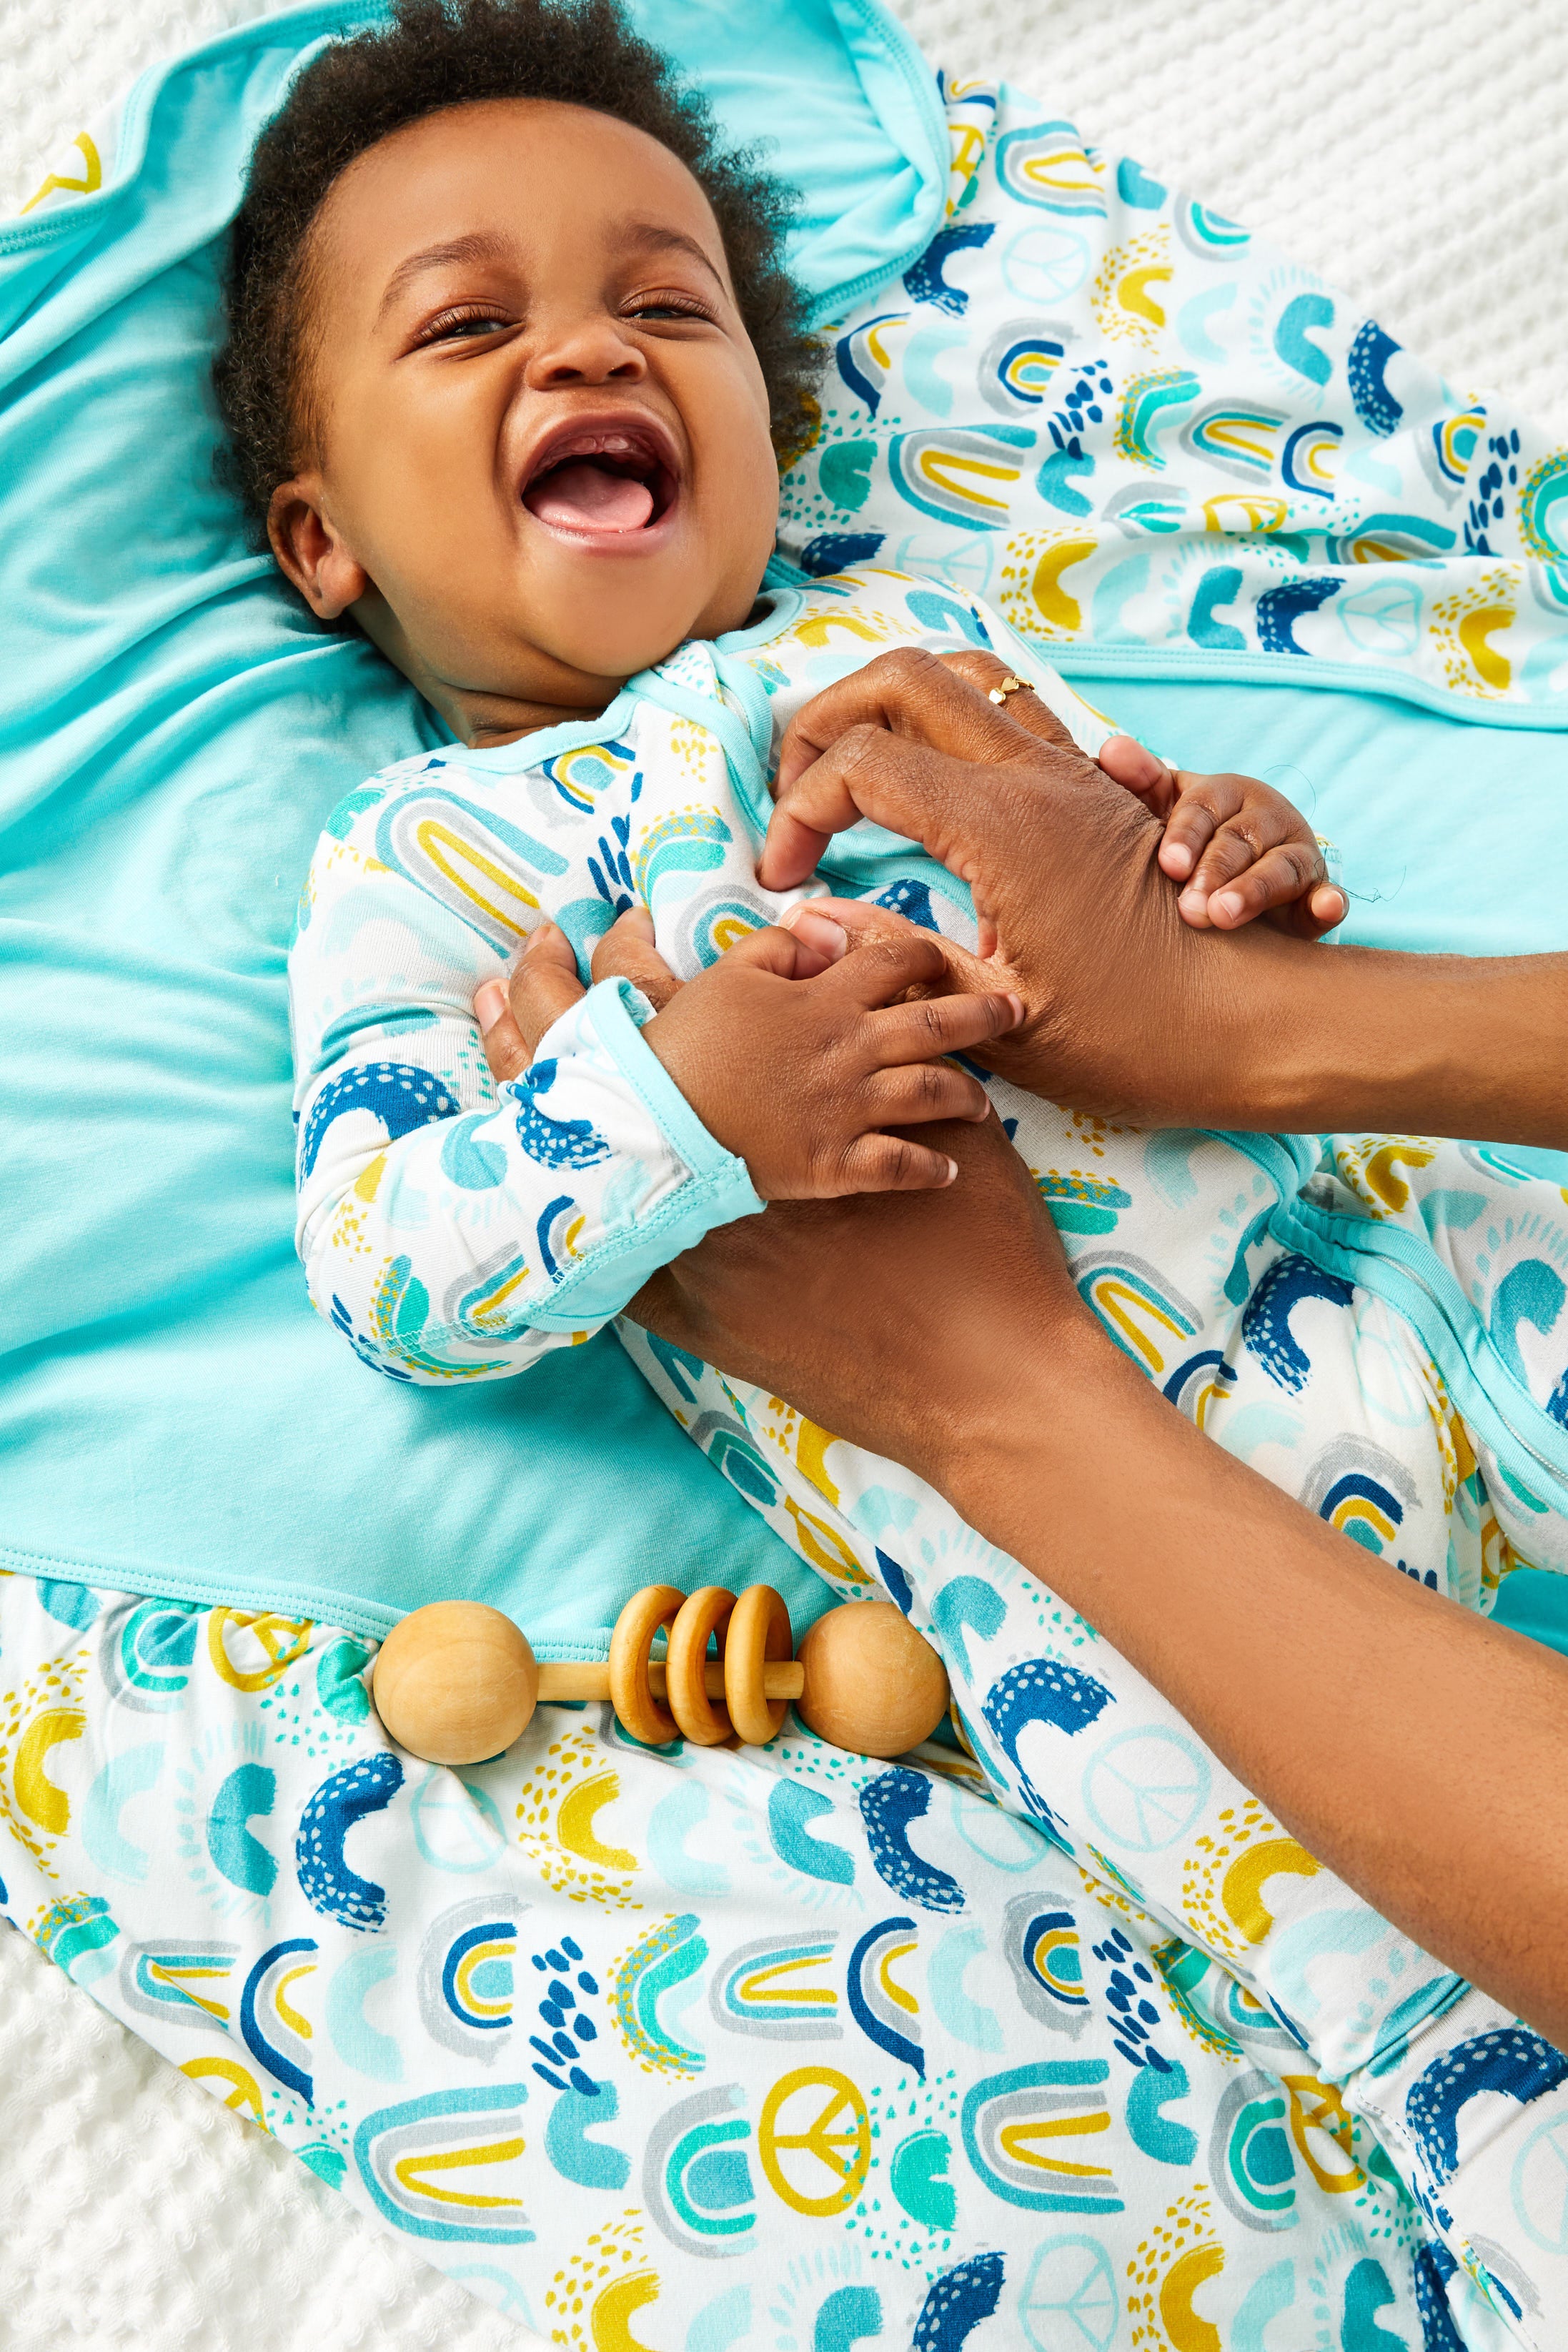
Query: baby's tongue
585, 497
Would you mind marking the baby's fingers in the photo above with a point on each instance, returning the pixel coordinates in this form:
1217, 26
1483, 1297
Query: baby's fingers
1322, 911
919, 1091
1204, 805
934, 1025
1288, 875
1265, 836
541, 985
889, 1163
627, 952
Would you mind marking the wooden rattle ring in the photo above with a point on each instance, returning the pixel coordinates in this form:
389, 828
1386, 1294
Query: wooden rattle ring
685, 1671
631, 1646
758, 1633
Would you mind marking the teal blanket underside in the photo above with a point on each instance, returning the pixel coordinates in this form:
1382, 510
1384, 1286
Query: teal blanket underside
173, 730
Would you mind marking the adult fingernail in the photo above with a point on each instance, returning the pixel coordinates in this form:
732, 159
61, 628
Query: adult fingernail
951, 1172
489, 1004
1194, 902
1016, 1006
1227, 902
814, 931
1176, 858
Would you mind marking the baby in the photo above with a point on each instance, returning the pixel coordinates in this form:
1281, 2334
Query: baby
508, 378
513, 361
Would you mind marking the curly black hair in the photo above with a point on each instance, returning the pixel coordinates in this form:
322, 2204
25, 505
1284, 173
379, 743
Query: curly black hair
427, 56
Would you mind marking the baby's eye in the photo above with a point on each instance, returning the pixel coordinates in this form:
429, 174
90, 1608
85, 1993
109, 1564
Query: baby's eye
666, 306
463, 326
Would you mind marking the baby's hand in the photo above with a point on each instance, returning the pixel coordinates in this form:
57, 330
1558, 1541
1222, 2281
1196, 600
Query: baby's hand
1240, 849
799, 1067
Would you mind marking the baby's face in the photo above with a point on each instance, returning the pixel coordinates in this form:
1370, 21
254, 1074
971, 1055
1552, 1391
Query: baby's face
542, 453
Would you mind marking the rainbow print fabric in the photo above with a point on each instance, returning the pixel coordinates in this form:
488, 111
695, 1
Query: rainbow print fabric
1133, 426
453, 1230
689, 2047
1379, 1324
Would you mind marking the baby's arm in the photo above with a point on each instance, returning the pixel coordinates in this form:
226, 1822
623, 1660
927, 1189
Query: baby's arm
453, 1230
456, 1231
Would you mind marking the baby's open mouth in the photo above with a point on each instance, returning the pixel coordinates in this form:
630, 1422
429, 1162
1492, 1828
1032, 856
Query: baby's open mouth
601, 483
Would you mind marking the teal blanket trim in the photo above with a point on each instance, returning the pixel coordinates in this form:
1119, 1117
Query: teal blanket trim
1199, 665
1534, 1602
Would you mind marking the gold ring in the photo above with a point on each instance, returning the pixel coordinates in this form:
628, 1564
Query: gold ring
1010, 685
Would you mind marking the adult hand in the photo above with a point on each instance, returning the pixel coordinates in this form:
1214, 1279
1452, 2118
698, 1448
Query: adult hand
1129, 1012
809, 1295
897, 1321
942, 1330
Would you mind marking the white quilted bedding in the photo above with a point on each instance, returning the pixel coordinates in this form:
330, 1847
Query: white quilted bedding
1413, 152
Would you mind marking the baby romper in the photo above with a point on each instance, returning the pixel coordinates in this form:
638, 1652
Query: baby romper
1374, 1323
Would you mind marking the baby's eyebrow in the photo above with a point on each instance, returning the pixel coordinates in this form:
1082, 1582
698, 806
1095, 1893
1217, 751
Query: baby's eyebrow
651, 236
480, 245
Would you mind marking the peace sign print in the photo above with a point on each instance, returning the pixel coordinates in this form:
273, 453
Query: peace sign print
815, 2141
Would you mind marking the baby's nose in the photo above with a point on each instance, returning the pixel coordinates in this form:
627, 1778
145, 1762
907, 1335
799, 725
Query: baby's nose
585, 351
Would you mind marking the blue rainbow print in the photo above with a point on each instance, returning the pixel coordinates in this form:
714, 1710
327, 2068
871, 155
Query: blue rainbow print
964, 475
1306, 461
778, 1988
883, 2007
581, 777
1046, 165
864, 360
1149, 404
448, 2166
1017, 367
1039, 2135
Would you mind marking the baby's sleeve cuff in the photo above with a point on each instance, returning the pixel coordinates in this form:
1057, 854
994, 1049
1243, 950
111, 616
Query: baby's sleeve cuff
694, 1187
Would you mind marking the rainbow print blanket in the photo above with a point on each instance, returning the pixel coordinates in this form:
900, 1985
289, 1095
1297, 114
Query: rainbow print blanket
1157, 442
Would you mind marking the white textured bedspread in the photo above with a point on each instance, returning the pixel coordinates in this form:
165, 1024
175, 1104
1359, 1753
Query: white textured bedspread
1414, 152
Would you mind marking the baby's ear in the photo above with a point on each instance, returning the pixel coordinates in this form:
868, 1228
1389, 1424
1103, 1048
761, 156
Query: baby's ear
309, 551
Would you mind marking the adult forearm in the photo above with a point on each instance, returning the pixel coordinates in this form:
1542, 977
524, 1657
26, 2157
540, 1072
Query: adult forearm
1345, 1038
1415, 1750
1132, 1014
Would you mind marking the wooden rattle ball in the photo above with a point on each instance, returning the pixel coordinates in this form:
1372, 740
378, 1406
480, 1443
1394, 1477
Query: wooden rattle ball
873, 1684
455, 1682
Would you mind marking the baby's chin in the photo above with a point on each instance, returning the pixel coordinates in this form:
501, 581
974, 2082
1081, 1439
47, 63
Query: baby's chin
557, 654
604, 658
600, 617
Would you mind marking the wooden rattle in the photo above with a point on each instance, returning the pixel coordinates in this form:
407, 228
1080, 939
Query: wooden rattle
457, 1681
